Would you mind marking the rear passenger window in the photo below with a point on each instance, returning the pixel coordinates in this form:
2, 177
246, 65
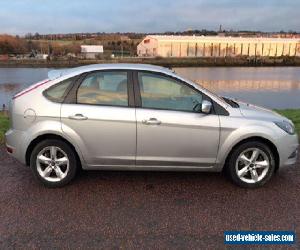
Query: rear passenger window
57, 92
104, 88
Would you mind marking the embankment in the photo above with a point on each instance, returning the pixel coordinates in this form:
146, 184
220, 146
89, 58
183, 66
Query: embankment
166, 62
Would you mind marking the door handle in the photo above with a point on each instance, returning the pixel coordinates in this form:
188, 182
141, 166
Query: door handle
151, 121
79, 117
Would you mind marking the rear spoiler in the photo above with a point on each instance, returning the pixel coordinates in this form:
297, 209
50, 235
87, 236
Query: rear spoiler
57, 73
54, 74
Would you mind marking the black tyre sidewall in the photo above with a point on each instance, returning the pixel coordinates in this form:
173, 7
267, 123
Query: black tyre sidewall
233, 158
72, 162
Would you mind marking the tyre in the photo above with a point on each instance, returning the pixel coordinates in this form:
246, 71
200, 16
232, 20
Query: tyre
251, 164
53, 162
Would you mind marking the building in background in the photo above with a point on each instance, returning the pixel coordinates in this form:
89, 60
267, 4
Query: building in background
41, 56
91, 51
217, 46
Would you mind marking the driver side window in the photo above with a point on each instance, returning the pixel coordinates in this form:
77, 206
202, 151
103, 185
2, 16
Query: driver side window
162, 92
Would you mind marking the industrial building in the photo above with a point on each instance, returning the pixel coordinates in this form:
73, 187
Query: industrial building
217, 46
91, 51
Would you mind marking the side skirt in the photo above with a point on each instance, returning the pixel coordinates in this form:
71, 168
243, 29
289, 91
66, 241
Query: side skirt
154, 168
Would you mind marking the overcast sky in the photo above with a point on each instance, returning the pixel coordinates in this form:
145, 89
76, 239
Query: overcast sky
62, 16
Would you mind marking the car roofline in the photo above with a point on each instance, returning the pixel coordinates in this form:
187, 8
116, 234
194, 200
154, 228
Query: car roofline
55, 74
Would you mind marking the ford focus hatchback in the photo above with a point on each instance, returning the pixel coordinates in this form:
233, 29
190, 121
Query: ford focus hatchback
143, 117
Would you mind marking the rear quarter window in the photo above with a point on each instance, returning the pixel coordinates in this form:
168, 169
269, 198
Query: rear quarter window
58, 92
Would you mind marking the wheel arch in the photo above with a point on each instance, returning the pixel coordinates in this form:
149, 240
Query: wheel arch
43, 137
270, 144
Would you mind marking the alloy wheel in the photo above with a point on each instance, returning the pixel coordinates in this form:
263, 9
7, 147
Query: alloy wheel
252, 165
52, 164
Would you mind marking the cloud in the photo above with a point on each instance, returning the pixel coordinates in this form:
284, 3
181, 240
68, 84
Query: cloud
22, 16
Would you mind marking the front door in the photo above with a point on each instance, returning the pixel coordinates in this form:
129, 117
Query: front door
171, 130
101, 121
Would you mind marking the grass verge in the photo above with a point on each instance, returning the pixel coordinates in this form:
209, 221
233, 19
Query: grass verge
4, 124
292, 114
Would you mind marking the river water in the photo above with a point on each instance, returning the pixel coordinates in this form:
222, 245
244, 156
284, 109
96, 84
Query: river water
272, 87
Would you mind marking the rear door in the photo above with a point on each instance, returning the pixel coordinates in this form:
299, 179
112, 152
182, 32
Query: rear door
100, 117
171, 130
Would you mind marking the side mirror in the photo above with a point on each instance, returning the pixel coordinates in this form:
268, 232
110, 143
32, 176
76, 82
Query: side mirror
206, 107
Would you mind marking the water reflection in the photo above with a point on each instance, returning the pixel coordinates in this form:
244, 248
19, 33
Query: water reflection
7, 90
13, 80
249, 85
267, 93
272, 87
10, 87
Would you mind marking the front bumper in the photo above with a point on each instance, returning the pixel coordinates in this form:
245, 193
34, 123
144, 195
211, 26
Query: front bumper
288, 147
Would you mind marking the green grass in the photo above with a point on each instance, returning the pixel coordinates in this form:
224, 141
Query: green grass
292, 114
4, 124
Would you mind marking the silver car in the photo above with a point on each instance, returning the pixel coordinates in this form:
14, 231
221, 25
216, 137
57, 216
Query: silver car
143, 117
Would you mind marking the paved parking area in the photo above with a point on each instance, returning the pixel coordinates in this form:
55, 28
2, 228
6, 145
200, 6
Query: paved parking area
140, 210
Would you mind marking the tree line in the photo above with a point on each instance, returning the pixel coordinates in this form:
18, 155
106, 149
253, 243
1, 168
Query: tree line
16, 45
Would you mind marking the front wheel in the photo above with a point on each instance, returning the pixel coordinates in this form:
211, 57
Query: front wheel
251, 164
53, 162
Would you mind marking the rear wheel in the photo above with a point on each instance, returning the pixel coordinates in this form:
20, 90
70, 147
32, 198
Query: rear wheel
251, 164
53, 162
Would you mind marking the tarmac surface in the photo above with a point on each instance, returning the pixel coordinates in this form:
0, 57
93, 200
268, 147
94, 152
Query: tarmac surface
141, 210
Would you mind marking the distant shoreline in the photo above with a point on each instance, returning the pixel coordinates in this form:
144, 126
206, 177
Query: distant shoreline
166, 62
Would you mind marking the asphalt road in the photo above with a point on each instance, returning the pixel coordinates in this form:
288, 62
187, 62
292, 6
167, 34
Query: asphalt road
140, 210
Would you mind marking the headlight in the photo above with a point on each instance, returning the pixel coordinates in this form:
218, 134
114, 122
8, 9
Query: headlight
286, 126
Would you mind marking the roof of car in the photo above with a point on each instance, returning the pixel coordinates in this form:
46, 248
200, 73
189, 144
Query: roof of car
54, 74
